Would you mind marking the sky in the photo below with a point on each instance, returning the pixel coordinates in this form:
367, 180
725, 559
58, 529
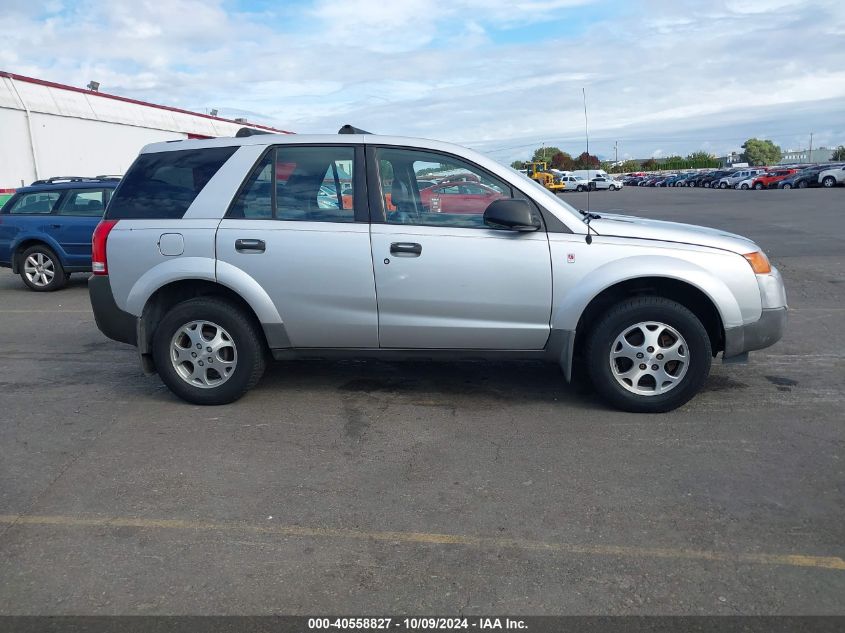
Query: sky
501, 76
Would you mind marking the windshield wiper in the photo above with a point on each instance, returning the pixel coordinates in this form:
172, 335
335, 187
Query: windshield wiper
590, 215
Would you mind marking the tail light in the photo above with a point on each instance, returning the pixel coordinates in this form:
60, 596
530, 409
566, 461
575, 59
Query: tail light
99, 263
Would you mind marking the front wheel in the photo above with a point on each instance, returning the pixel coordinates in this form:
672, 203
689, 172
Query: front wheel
648, 355
803, 184
743, 186
787, 186
208, 351
612, 187
579, 188
758, 186
724, 185
829, 181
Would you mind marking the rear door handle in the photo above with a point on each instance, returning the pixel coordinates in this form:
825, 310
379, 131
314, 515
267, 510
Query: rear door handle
55, 226
408, 249
250, 246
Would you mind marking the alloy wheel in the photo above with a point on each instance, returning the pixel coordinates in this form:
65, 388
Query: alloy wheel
39, 269
203, 354
649, 358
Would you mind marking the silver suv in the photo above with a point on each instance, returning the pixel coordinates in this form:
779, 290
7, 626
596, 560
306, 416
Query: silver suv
217, 254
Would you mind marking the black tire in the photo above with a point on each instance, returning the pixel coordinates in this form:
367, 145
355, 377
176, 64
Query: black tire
579, 188
829, 181
743, 187
803, 184
51, 263
723, 185
627, 314
244, 332
759, 186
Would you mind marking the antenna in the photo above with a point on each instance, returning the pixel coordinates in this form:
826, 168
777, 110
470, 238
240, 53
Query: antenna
587, 215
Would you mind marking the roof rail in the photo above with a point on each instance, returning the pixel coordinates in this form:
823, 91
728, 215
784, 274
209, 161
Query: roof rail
55, 179
349, 129
248, 131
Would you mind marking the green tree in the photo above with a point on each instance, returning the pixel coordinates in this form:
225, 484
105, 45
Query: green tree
839, 153
544, 154
674, 159
563, 161
518, 164
758, 152
587, 161
649, 164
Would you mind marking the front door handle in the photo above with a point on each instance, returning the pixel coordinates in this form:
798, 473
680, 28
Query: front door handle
407, 249
250, 246
55, 226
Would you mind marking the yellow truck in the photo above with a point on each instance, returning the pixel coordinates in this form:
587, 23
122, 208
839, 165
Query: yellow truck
539, 171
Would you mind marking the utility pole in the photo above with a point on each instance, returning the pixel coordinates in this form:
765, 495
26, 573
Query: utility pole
616, 150
810, 152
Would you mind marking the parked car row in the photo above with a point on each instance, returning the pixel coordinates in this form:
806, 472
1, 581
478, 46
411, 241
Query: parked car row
800, 177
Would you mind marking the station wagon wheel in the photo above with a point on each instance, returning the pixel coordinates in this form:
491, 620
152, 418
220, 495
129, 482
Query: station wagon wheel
41, 270
209, 350
648, 355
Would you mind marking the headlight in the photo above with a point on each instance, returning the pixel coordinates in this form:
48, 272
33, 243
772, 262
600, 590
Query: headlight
759, 262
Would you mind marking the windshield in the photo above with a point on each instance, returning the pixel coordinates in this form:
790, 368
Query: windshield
555, 201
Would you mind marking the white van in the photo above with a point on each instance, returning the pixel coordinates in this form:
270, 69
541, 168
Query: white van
589, 174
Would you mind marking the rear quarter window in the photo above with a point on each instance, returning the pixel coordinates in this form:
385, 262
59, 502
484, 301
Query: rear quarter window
164, 184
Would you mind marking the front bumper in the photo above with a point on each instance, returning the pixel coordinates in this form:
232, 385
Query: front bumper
766, 331
112, 321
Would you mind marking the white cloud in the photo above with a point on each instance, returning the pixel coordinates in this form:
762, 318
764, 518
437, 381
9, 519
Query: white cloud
667, 75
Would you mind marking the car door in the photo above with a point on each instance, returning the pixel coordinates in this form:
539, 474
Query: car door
75, 218
446, 280
294, 233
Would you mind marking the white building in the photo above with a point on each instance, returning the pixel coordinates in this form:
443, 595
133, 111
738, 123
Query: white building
49, 129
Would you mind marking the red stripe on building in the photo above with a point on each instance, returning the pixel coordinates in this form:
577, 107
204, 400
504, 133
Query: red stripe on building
52, 84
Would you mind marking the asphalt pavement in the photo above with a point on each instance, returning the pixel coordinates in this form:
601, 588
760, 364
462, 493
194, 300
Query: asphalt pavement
441, 488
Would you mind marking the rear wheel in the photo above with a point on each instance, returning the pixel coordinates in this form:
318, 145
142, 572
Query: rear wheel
787, 186
744, 186
41, 270
208, 351
648, 355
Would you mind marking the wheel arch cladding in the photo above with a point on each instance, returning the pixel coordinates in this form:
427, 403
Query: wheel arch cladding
29, 241
681, 292
175, 292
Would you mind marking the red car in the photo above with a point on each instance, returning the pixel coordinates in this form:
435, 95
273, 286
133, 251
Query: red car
458, 197
771, 178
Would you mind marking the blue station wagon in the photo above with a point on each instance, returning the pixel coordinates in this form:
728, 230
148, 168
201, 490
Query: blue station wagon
46, 228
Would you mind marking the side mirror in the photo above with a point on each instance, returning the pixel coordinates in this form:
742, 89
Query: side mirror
511, 215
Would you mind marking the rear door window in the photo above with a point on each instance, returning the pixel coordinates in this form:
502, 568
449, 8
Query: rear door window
309, 184
164, 184
88, 203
